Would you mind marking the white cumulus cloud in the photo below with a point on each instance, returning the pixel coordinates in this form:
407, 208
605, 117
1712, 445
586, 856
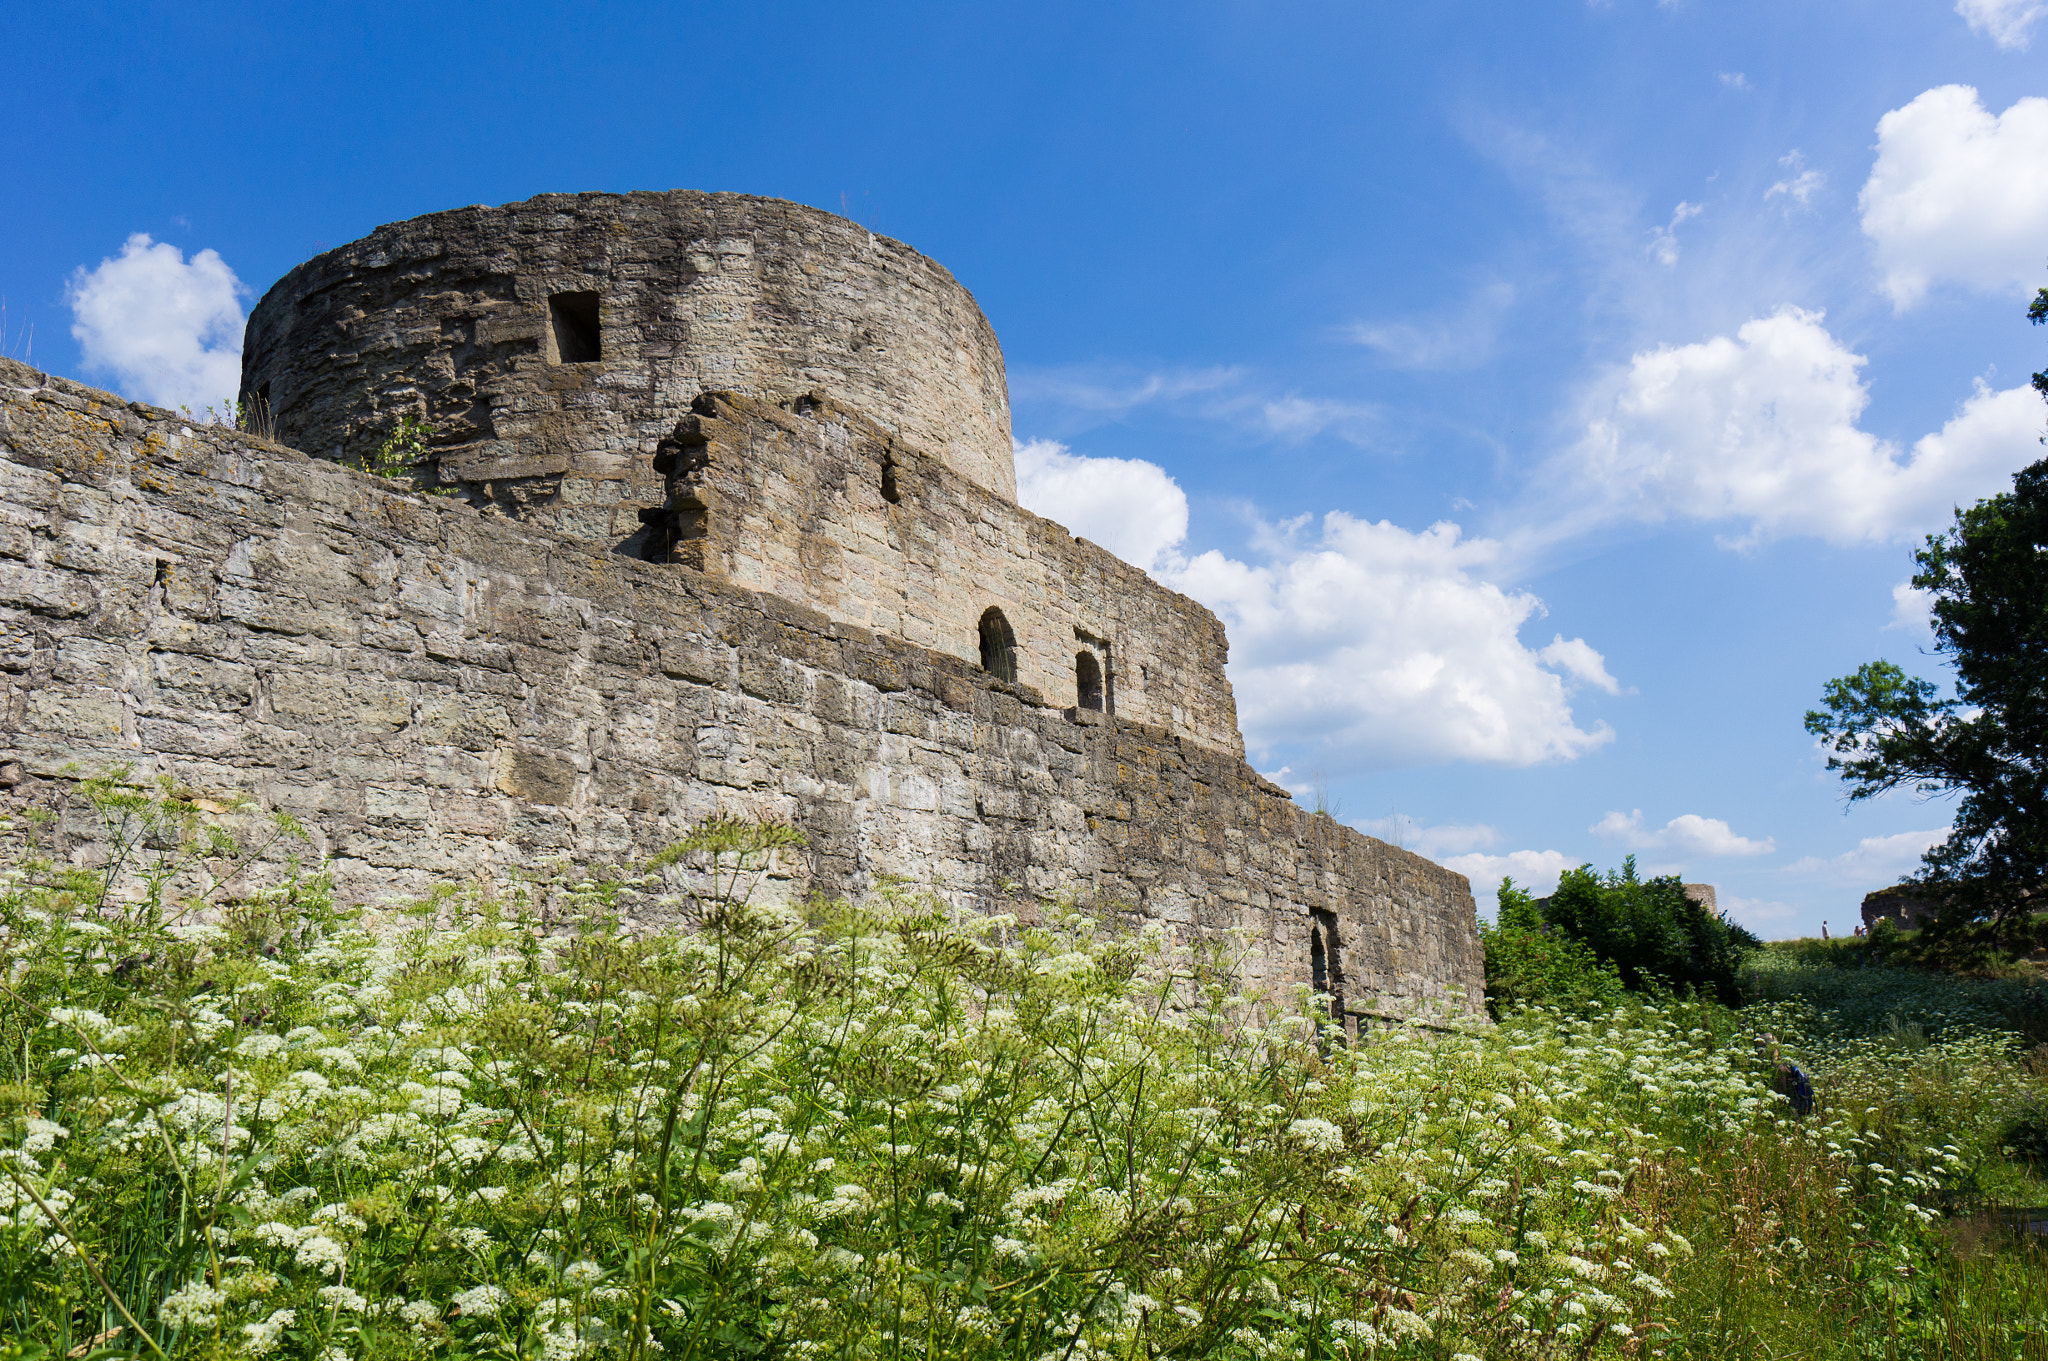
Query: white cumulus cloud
161, 328
1959, 194
1688, 834
1536, 871
1912, 609
2009, 23
1876, 861
1382, 646
1577, 659
1762, 427
1129, 506
1374, 645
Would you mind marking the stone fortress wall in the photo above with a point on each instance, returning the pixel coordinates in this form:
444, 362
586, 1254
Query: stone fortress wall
435, 690
720, 516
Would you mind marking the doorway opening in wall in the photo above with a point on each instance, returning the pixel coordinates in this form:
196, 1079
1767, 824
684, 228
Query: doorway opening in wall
572, 325
998, 646
1326, 961
1088, 681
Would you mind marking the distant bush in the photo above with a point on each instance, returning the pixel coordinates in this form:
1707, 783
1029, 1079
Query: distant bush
1649, 930
1528, 963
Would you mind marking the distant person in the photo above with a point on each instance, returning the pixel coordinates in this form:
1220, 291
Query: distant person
1786, 1079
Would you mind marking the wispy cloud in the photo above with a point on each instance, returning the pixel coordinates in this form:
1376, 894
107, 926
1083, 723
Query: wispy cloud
1535, 871
2009, 23
1434, 842
1461, 338
1116, 390
1761, 915
1663, 245
1876, 861
1113, 392
1800, 183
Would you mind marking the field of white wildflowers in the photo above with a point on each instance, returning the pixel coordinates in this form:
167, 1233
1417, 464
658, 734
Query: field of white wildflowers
879, 1130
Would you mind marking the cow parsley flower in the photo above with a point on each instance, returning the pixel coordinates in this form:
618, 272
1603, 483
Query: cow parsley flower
260, 1339
483, 1301
342, 1299
322, 1254
1318, 1136
192, 1306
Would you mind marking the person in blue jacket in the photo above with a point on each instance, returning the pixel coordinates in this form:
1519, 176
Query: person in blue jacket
1786, 1079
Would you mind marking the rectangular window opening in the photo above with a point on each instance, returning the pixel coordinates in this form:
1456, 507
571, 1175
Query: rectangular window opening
572, 319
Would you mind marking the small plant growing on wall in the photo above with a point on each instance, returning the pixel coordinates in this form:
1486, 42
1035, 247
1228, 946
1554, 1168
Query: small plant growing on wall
404, 449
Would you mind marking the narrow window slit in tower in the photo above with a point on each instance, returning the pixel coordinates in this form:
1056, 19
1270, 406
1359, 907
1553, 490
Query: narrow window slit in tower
889, 491
573, 319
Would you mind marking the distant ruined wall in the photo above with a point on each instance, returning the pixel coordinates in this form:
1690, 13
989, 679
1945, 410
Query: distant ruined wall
551, 343
1906, 904
814, 503
436, 691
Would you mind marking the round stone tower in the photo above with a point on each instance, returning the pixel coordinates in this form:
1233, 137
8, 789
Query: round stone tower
549, 345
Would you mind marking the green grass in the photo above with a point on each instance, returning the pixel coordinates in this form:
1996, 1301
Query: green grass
240, 1123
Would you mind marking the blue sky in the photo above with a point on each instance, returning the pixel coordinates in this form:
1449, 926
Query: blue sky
1550, 394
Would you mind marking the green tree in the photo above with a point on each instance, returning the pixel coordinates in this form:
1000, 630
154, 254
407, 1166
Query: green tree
1529, 962
1988, 742
1649, 929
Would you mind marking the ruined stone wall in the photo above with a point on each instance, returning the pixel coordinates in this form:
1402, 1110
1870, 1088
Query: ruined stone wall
814, 503
437, 691
474, 319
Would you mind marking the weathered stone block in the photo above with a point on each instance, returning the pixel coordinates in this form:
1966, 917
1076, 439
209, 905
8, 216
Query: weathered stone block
352, 701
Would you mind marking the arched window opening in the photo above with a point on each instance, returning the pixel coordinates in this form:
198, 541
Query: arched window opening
1088, 681
1318, 962
998, 646
890, 493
